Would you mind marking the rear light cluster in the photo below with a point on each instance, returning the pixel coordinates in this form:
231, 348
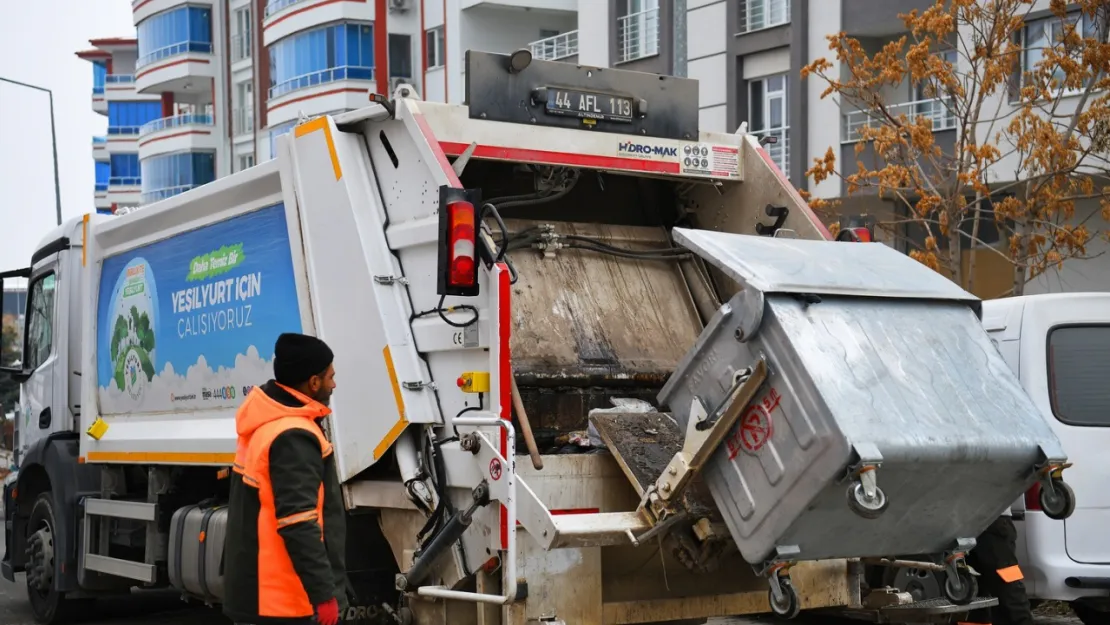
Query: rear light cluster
462, 244
459, 223
855, 235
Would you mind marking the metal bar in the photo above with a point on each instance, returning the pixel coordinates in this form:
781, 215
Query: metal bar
120, 568
136, 510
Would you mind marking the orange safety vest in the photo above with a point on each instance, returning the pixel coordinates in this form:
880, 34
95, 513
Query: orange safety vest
280, 591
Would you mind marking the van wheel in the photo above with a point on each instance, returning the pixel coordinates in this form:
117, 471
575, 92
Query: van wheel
1088, 614
49, 606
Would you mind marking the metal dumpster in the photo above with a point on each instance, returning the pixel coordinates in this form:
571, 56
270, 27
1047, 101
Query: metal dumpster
888, 423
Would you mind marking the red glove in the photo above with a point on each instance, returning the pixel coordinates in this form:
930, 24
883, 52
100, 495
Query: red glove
328, 613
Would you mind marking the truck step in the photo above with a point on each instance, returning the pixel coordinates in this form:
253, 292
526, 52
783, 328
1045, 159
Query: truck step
118, 509
925, 611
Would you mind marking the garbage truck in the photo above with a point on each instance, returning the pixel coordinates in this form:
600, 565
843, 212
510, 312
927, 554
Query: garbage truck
594, 365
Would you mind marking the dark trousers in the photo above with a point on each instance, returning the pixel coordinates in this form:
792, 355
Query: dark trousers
996, 550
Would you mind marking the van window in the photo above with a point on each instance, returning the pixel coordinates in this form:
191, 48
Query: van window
1078, 366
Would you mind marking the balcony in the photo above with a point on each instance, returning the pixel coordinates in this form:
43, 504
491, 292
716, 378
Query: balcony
761, 14
938, 110
124, 190
99, 101
100, 196
528, 5
100, 148
288, 17
121, 140
780, 150
638, 35
143, 9
161, 194
560, 46
179, 133
337, 88
184, 67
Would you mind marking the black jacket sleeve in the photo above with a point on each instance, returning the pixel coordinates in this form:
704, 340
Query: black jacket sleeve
296, 473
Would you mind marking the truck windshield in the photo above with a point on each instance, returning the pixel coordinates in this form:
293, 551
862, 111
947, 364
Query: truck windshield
1078, 365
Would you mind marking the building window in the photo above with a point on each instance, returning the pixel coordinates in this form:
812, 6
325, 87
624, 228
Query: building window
400, 56
246, 161
767, 111
1078, 357
320, 56
273, 6
437, 54
124, 170
1048, 33
174, 32
276, 132
171, 174
759, 14
638, 30
241, 40
40, 326
243, 114
126, 118
99, 73
103, 173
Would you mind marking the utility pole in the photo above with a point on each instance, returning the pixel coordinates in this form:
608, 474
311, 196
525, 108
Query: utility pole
53, 141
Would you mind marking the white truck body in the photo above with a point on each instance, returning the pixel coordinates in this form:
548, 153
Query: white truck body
164, 318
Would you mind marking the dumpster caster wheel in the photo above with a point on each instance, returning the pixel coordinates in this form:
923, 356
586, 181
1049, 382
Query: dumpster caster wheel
786, 606
1059, 503
866, 507
967, 590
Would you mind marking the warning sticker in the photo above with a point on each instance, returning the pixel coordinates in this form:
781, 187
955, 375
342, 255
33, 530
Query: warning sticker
755, 427
707, 159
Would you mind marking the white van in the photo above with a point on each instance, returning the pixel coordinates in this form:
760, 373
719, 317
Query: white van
1059, 346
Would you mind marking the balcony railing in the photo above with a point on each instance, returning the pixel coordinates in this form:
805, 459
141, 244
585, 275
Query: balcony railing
242, 121
321, 77
240, 47
161, 194
100, 140
123, 130
176, 121
202, 47
119, 79
638, 35
101, 186
98, 89
273, 6
125, 181
554, 48
760, 14
938, 110
780, 150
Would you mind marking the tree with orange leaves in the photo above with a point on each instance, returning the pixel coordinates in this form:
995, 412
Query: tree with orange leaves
1031, 110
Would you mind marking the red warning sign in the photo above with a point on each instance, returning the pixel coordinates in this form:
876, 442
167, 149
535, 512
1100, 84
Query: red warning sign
755, 427
495, 469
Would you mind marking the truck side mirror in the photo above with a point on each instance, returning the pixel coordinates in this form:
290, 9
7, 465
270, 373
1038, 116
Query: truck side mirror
12, 334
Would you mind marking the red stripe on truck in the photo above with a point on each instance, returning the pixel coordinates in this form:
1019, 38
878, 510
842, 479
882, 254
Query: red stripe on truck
505, 376
494, 152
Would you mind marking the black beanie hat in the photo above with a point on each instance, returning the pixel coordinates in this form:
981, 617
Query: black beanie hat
298, 357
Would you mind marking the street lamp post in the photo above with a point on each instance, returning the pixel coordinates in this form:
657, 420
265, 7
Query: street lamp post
53, 140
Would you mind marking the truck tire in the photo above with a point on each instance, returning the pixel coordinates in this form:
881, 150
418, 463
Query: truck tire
49, 606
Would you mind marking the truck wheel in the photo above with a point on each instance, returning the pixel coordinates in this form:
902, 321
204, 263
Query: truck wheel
49, 606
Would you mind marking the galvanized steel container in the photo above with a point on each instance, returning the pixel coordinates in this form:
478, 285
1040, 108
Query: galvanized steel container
875, 360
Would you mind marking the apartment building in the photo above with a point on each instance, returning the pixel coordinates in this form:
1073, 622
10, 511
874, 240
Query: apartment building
205, 86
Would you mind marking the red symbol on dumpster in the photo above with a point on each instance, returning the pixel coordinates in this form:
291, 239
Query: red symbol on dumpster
495, 469
755, 427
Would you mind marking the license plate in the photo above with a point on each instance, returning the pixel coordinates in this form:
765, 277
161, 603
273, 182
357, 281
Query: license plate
589, 105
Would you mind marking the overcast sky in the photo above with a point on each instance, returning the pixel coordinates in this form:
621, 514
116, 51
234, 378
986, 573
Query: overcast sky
38, 40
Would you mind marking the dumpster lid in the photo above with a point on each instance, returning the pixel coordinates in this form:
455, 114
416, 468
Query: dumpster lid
781, 265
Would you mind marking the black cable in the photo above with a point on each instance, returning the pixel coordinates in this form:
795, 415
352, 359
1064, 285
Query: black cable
626, 254
440, 310
665, 250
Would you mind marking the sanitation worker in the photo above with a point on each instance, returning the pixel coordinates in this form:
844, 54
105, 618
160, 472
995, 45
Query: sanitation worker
284, 560
995, 559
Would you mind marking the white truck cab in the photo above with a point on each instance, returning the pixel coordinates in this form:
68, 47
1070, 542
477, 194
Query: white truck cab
1059, 345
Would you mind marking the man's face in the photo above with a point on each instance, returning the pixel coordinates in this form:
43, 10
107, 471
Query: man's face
320, 387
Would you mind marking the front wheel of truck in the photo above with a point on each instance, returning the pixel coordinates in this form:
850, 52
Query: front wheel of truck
50, 607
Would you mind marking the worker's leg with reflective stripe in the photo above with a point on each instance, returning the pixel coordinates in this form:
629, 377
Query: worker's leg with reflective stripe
995, 559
